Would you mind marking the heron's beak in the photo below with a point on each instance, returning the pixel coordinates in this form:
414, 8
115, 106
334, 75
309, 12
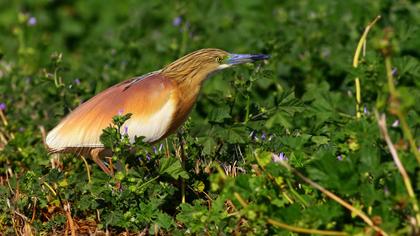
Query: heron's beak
234, 59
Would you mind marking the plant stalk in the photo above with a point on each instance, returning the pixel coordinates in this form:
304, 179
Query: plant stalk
361, 46
407, 182
396, 109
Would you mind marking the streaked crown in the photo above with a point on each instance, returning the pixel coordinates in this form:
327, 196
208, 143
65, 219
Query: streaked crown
198, 65
201, 62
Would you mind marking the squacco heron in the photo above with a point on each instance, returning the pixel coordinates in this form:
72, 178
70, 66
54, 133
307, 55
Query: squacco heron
159, 102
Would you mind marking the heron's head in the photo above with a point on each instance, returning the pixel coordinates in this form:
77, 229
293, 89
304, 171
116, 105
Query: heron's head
200, 64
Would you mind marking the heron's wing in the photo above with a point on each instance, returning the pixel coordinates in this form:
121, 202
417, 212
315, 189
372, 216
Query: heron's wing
149, 99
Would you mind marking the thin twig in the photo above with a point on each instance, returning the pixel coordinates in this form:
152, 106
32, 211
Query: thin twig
396, 108
303, 230
43, 135
3, 118
69, 218
336, 198
407, 182
182, 155
87, 169
290, 227
390, 77
21, 215
33, 210
50, 188
167, 148
273, 179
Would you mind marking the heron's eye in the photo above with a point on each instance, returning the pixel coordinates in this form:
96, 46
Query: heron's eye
219, 59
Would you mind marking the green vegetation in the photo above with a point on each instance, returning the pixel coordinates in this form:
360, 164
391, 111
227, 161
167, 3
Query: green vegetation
259, 140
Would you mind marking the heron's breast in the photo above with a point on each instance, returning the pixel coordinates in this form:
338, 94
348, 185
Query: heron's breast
184, 103
152, 127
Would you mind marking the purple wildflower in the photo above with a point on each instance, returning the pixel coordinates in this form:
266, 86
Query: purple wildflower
120, 112
280, 157
365, 110
148, 156
340, 157
2, 106
160, 147
155, 150
263, 136
21, 129
283, 157
394, 72
32, 21
177, 21
77, 81
126, 129
396, 123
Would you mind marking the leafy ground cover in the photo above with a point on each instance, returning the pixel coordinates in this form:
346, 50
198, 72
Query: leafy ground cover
298, 144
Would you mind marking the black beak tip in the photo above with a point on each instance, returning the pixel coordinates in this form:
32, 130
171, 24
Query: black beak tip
258, 57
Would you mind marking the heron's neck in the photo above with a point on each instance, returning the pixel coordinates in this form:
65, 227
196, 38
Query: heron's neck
189, 82
189, 88
186, 95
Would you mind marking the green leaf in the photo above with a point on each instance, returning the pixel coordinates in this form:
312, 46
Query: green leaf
164, 220
236, 135
263, 158
209, 145
232, 135
280, 118
319, 140
172, 167
219, 114
289, 104
108, 136
119, 120
199, 186
295, 142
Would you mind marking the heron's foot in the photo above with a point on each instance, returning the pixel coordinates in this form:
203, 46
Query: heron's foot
95, 156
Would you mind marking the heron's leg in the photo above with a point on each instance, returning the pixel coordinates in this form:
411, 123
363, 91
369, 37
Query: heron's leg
95, 156
111, 165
